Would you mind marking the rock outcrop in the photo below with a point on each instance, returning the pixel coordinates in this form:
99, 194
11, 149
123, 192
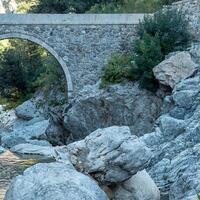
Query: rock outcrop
174, 69
54, 181
175, 142
122, 105
110, 155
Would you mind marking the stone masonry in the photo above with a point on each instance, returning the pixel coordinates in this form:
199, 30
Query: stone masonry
80, 43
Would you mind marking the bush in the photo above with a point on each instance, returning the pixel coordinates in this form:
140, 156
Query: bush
118, 69
129, 6
159, 35
148, 55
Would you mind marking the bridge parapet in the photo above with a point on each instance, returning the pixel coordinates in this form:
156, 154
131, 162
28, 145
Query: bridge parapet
71, 19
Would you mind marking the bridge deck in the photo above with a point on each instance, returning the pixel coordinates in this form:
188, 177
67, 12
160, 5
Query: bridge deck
73, 19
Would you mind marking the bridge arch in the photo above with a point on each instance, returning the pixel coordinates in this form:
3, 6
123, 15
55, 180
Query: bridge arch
50, 50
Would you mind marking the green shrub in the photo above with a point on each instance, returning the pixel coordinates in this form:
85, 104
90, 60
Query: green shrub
148, 55
118, 69
159, 35
129, 6
170, 26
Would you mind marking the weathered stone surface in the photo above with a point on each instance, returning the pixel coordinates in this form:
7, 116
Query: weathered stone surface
174, 69
27, 110
7, 119
123, 105
54, 181
187, 170
110, 155
33, 150
23, 134
190, 8
138, 187
2, 150
175, 142
55, 133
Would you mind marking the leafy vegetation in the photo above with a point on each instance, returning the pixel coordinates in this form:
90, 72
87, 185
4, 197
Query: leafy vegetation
24, 67
158, 35
91, 6
60, 6
118, 69
129, 6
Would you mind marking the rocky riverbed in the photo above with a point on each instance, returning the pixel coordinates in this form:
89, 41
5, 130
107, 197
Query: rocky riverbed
12, 165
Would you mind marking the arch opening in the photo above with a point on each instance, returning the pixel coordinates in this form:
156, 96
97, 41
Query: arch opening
69, 85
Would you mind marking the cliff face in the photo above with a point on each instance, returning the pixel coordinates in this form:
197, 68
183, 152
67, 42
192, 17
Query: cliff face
8, 6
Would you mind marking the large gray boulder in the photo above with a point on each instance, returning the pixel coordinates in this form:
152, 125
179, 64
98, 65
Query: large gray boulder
54, 181
28, 110
122, 105
110, 155
174, 69
138, 187
24, 134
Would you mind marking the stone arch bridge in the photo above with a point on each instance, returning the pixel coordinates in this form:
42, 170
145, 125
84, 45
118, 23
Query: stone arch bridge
80, 43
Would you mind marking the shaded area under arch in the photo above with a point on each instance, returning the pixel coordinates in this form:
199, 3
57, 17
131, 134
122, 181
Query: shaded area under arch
50, 50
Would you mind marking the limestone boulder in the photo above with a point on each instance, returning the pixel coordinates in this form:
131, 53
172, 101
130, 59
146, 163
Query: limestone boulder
138, 187
28, 110
110, 155
175, 69
122, 105
54, 181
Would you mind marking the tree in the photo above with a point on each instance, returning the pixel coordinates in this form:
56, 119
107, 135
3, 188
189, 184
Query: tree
66, 6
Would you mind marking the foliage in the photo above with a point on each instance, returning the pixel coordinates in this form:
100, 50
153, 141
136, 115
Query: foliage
63, 6
159, 35
24, 67
171, 27
118, 69
148, 54
91, 6
129, 6
25, 6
